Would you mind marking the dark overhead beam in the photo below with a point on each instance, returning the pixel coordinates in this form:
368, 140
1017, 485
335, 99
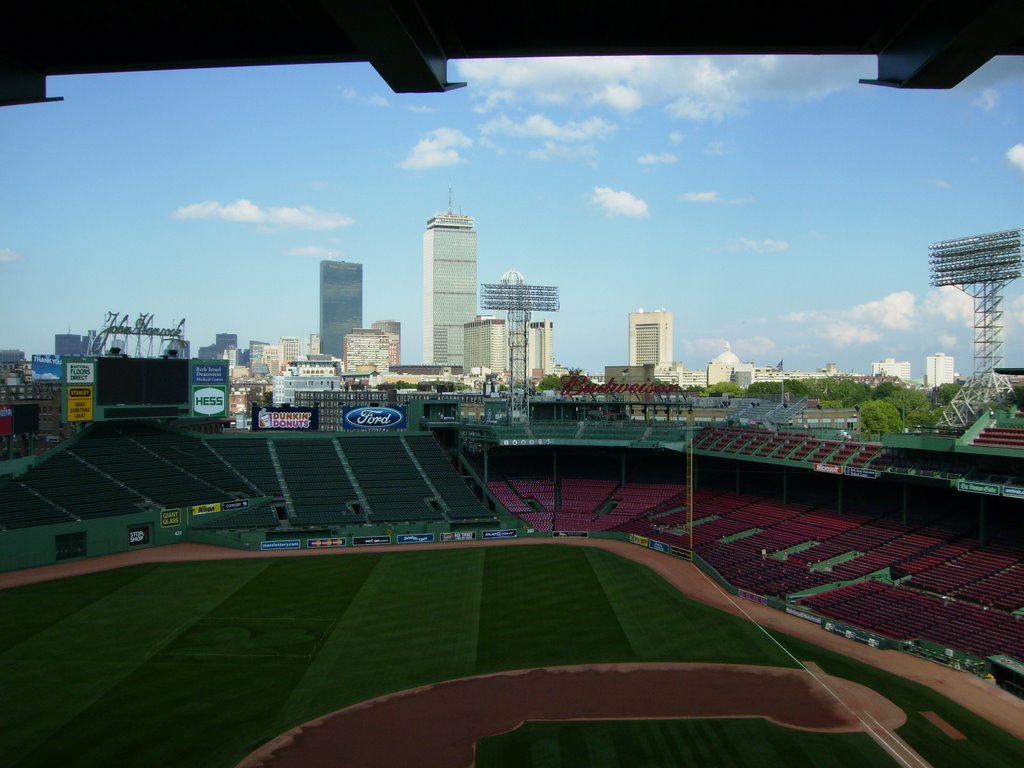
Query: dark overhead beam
396, 39
21, 86
947, 41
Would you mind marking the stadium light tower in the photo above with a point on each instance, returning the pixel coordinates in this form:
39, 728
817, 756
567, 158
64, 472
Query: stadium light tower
519, 300
981, 266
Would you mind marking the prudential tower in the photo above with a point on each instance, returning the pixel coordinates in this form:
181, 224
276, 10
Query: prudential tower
449, 286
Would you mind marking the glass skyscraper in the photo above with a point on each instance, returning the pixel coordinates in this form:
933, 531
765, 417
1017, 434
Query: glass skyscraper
449, 286
341, 304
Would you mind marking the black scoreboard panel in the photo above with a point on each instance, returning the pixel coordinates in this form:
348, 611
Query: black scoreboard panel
125, 380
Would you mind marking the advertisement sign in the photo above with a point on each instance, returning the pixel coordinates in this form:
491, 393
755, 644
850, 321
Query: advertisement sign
504, 533
680, 552
657, 546
47, 368
989, 489
283, 417
870, 474
334, 541
636, 538
138, 535
170, 518
80, 373
205, 509
240, 504
209, 401
458, 535
280, 544
570, 534
1008, 490
80, 403
367, 541
6, 420
414, 538
830, 469
365, 417
210, 373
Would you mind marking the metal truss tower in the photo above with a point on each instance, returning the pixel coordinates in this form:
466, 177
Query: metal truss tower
981, 266
519, 300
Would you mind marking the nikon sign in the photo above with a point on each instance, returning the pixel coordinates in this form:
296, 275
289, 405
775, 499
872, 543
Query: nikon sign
209, 401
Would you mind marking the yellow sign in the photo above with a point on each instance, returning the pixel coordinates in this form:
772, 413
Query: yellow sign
79, 404
205, 509
170, 518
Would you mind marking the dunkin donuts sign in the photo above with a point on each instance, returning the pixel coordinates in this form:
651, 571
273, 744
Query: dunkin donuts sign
268, 417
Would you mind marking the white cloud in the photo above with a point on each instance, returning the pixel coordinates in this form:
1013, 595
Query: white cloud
764, 246
715, 149
539, 126
688, 87
7, 255
314, 251
844, 334
676, 137
987, 100
753, 347
247, 212
553, 150
947, 341
377, 101
894, 311
1015, 155
940, 183
652, 159
420, 109
950, 304
700, 197
439, 148
619, 203
705, 349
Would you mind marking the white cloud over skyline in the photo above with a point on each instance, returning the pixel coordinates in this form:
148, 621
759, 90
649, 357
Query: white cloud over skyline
247, 212
7, 255
437, 149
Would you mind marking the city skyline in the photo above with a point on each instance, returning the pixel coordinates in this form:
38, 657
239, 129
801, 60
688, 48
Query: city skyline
341, 304
771, 202
450, 286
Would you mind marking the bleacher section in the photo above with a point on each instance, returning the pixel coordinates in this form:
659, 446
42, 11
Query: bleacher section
320, 491
75, 487
1001, 437
462, 505
251, 459
792, 446
393, 486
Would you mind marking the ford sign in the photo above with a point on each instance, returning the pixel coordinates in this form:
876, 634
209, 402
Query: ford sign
382, 417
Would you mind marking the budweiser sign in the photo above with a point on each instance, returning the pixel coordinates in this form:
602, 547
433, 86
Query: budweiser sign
582, 385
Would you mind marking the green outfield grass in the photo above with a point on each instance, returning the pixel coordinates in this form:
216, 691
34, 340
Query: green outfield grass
199, 663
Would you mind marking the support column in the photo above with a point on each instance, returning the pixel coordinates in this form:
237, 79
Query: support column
622, 465
736, 487
906, 502
487, 478
785, 486
982, 532
554, 466
839, 500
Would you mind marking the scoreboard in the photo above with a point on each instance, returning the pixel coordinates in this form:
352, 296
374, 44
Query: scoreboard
116, 387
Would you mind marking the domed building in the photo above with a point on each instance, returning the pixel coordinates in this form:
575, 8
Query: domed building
724, 366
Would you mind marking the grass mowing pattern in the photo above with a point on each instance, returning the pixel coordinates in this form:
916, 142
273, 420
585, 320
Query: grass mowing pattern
649, 743
89, 677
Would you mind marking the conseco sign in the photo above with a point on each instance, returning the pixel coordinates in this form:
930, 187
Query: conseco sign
381, 417
209, 401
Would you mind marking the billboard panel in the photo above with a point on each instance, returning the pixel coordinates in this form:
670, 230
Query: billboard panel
209, 373
285, 417
381, 417
79, 404
47, 368
209, 401
6, 420
80, 373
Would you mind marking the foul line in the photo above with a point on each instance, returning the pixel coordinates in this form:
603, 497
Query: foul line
882, 740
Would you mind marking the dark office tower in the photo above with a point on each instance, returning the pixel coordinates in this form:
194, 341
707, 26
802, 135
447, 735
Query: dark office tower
341, 304
68, 344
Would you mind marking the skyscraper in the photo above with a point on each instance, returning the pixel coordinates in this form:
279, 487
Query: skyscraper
650, 337
341, 304
395, 327
486, 344
449, 286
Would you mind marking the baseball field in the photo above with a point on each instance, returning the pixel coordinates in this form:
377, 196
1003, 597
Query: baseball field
201, 663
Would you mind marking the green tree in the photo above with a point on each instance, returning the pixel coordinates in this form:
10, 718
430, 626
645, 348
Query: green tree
551, 381
724, 388
884, 391
838, 393
879, 417
944, 393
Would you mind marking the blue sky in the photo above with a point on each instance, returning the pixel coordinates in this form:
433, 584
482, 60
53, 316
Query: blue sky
771, 202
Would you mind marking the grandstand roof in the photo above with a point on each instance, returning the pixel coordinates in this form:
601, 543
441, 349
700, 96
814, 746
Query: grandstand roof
919, 43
